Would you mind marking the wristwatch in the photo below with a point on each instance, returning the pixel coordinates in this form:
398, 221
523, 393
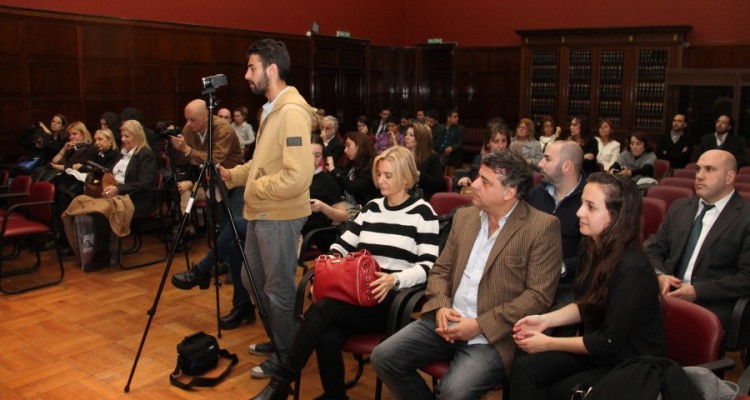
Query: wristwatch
396, 283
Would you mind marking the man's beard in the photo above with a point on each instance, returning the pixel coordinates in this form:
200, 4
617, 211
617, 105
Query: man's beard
261, 86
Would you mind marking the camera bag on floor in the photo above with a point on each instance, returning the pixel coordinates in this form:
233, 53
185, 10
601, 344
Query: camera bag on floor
196, 355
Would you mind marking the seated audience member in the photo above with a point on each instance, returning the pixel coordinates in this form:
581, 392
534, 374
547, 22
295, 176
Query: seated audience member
419, 117
76, 151
609, 149
57, 131
449, 140
135, 173
724, 139
580, 133
701, 251
355, 179
560, 194
401, 233
333, 147
550, 132
391, 137
110, 120
431, 120
244, 130
501, 262
496, 138
379, 126
675, 146
404, 122
419, 141
156, 144
106, 145
525, 143
362, 124
617, 302
325, 199
638, 161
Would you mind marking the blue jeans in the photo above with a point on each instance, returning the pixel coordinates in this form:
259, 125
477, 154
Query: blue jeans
229, 252
474, 369
271, 250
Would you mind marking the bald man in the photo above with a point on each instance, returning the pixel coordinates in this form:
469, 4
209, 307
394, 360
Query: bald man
559, 194
192, 146
712, 270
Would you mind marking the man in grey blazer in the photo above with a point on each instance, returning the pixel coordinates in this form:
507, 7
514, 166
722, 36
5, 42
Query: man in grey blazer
713, 269
501, 262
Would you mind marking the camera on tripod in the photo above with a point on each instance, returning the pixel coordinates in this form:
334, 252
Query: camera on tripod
167, 129
211, 83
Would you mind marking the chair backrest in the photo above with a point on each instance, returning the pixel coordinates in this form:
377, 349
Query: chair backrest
652, 213
448, 184
691, 165
4, 175
20, 184
668, 193
744, 170
444, 202
742, 186
693, 333
42, 191
743, 178
684, 173
745, 195
662, 167
679, 182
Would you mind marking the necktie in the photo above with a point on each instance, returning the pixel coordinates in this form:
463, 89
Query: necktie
381, 128
695, 232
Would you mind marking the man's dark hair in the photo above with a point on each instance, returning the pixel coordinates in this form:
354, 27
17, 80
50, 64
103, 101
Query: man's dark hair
272, 52
731, 120
128, 114
513, 167
393, 119
432, 114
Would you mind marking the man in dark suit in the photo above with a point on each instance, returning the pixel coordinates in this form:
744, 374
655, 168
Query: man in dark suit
701, 251
449, 140
724, 139
332, 146
378, 126
675, 146
501, 262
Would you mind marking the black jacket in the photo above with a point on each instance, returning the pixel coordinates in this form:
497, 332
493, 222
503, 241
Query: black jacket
673, 152
140, 177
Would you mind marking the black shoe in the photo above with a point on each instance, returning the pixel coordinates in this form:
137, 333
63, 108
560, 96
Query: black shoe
238, 315
190, 279
277, 389
101, 260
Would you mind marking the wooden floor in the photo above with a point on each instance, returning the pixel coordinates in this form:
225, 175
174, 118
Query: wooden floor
78, 339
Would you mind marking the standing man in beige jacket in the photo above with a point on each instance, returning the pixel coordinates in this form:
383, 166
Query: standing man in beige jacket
277, 195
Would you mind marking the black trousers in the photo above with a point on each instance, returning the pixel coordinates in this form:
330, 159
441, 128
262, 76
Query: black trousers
552, 374
325, 329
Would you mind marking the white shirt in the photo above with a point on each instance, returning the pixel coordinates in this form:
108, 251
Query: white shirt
269, 106
465, 299
708, 222
607, 153
119, 169
720, 138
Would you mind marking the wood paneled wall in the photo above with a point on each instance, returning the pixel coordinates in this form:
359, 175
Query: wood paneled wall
84, 66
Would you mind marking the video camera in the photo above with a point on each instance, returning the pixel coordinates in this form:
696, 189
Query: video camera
211, 83
167, 129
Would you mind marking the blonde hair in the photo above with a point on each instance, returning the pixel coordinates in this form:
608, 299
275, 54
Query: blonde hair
404, 166
81, 127
529, 124
109, 135
136, 129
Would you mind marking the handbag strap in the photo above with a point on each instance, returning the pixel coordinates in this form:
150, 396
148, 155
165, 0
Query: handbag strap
201, 381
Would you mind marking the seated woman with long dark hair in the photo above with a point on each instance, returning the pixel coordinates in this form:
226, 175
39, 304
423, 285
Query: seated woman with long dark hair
356, 178
401, 233
135, 173
617, 301
418, 139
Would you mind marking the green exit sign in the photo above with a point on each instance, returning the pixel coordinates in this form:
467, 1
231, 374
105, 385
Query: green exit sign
343, 34
434, 41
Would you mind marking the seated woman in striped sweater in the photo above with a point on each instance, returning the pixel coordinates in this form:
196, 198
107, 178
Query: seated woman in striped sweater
401, 232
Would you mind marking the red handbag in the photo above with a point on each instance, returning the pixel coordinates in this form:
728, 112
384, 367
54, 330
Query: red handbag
346, 278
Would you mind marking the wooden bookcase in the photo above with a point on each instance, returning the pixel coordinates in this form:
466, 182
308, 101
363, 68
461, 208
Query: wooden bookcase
615, 73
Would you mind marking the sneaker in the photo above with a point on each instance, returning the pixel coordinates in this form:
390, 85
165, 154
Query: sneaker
263, 370
261, 349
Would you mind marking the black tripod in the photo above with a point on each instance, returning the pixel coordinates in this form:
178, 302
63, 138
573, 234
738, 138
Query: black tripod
211, 172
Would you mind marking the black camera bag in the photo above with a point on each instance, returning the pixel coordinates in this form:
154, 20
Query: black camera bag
196, 355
